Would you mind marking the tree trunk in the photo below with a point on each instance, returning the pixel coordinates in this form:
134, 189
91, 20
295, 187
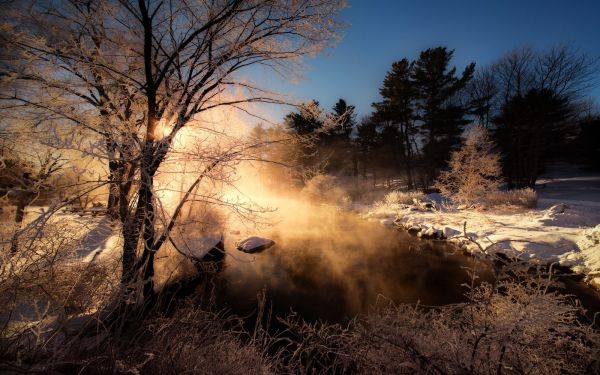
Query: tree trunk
112, 205
140, 226
408, 158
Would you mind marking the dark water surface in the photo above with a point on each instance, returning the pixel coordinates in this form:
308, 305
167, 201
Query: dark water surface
336, 268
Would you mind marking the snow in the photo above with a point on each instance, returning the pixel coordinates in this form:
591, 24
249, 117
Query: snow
254, 244
387, 221
197, 247
564, 228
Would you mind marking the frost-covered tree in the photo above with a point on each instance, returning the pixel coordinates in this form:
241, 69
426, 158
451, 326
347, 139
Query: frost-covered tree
474, 169
134, 74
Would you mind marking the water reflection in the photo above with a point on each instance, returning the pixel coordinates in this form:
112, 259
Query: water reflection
338, 269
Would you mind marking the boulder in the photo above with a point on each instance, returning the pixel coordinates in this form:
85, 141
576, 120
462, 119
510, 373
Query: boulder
387, 221
414, 230
198, 247
254, 244
431, 233
451, 232
427, 206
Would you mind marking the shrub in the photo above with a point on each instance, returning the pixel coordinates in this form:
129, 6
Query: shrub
526, 198
474, 169
516, 325
400, 197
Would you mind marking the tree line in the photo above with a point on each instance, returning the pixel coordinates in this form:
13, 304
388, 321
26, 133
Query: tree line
533, 102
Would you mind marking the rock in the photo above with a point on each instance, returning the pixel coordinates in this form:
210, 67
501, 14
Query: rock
198, 247
414, 230
216, 253
558, 209
450, 232
430, 233
387, 221
428, 205
254, 244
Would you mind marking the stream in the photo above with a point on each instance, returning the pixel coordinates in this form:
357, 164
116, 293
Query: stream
334, 269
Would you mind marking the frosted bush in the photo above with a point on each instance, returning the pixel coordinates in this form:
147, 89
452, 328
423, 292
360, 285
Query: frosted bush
516, 325
474, 169
526, 198
399, 197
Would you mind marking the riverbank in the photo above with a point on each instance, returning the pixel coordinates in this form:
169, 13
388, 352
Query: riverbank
559, 230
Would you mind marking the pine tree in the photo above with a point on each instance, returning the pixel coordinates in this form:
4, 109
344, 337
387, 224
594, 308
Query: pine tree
396, 113
344, 118
441, 115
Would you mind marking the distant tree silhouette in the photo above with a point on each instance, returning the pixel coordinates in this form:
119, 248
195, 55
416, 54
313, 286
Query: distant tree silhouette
308, 119
342, 151
536, 96
441, 114
345, 118
587, 142
367, 143
396, 112
528, 129
482, 93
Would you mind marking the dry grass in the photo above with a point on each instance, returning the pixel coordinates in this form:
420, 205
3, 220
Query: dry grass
516, 325
525, 198
400, 197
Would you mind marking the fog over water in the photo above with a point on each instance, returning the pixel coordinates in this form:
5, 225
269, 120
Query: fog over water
332, 265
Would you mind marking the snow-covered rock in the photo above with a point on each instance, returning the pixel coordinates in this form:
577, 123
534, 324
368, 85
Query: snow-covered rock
198, 247
254, 244
388, 221
450, 232
430, 233
413, 229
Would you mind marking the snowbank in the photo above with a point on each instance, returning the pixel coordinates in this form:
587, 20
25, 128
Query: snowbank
564, 232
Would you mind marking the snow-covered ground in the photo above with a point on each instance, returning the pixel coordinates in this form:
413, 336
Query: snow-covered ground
563, 228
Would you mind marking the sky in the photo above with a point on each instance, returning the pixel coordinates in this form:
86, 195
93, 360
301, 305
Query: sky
380, 32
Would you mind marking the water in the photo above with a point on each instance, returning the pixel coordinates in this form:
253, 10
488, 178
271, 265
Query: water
336, 267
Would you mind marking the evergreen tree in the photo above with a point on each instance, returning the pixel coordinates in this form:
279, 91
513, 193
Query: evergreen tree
307, 120
344, 118
529, 128
441, 115
588, 141
396, 112
367, 144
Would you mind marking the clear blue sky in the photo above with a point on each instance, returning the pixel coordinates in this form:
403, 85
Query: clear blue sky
381, 32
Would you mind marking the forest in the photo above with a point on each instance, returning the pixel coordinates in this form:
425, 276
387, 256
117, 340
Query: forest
154, 220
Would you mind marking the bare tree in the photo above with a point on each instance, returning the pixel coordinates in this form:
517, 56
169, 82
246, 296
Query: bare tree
148, 69
562, 70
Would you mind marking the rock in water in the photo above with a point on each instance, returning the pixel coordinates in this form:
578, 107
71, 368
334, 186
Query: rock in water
414, 230
254, 244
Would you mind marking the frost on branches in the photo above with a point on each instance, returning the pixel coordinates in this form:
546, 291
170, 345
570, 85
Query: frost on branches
474, 169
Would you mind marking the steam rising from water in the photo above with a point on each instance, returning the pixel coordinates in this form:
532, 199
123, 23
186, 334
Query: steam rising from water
327, 262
